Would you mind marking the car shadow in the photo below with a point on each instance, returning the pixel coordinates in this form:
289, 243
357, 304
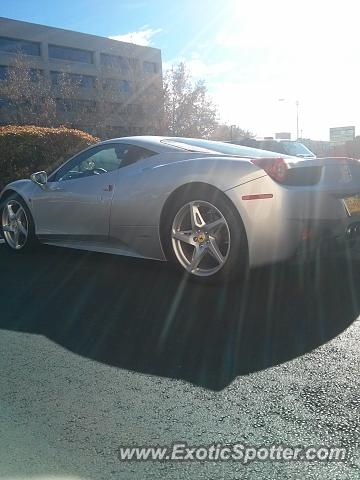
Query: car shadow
143, 316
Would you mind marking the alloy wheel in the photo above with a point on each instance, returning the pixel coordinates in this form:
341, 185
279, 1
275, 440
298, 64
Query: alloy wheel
15, 225
200, 238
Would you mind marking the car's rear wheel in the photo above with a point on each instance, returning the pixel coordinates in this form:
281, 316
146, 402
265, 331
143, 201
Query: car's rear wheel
17, 225
206, 238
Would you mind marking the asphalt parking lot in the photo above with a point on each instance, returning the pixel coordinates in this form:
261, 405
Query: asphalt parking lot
100, 351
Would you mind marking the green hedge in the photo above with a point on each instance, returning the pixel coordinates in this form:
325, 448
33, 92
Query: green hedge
28, 149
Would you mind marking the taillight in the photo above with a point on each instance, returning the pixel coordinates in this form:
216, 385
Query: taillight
276, 168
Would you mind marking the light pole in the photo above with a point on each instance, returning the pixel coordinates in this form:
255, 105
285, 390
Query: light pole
231, 132
297, 103
297, 119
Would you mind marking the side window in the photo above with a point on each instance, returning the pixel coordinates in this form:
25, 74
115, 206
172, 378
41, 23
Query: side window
96, 161
102, 159
133, 154
102, 162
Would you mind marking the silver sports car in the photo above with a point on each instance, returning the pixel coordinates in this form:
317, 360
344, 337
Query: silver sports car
213, 208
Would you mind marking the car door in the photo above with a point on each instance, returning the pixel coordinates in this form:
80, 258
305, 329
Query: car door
77, 200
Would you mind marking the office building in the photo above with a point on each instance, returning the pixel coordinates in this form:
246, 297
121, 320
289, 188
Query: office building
88, 61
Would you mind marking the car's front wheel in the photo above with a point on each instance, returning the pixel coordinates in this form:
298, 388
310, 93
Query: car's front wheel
17, 225
207, 238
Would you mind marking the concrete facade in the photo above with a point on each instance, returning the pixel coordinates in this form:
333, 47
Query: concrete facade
53, 50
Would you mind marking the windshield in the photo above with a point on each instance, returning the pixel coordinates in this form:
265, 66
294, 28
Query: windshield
296, 148
208, 146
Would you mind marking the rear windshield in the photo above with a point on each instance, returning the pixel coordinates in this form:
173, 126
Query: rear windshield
208, 146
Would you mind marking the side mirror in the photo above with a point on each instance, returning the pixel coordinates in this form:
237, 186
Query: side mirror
40, 178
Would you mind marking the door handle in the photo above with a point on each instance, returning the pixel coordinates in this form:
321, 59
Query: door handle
108, 188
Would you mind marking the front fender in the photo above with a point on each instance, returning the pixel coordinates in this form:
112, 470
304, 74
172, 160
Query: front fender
23, 188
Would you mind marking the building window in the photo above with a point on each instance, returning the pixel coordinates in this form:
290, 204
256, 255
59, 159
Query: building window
62, 105
34, 73
83, 81
137, 108
55, 78
86, 106
4, 71
117, 108
69, 105
12, 45
71, 54
136, 130
114, 61
149, 67
121, 86
4, 102
114, 131
124, 86
110, 107
134, 63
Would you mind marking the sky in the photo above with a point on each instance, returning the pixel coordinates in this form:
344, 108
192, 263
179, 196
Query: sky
250, 53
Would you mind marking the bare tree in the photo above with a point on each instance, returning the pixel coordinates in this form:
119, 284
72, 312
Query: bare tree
28, 93
230, 132
188, 110
66, 89
135, 104
35, 99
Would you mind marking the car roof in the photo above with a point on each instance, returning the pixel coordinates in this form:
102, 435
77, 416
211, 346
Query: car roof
163, 144
145, 141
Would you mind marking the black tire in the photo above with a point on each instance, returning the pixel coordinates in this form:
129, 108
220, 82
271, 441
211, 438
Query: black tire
31, 241
236, 265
